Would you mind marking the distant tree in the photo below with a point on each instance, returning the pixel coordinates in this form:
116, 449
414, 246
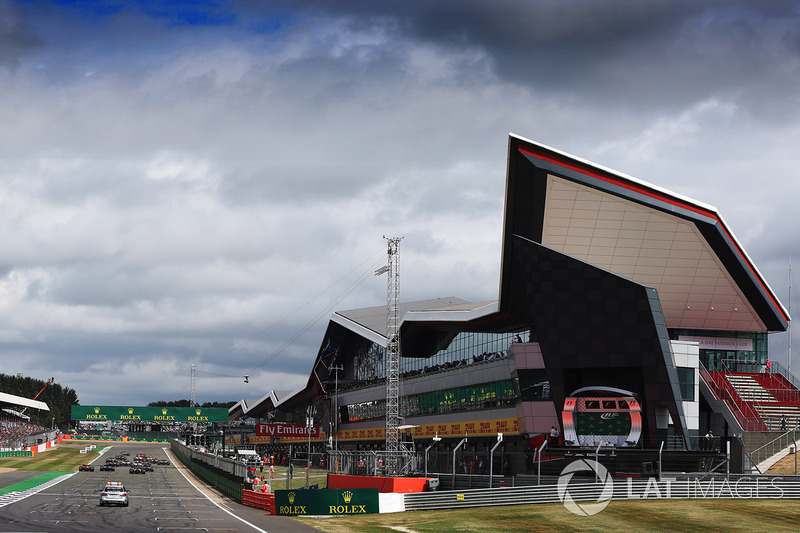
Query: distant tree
172, 403
58, 398
225, 405
185, 403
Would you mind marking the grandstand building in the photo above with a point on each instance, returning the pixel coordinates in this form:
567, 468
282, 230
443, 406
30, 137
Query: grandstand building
633, 304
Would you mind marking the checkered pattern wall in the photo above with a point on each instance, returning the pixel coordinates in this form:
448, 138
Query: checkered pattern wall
596, 328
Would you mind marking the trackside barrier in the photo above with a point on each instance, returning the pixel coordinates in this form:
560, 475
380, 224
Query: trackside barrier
218, 462
43, 446
110, 438
259, 500
686, 487
17, 453
225, 485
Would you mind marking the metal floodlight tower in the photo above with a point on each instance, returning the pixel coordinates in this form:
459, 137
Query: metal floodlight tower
191, 386
392, 354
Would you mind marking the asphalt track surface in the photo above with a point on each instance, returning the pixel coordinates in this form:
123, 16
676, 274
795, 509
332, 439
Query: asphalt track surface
169, 499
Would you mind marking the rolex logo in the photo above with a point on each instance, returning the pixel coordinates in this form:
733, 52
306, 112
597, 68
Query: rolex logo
291, 498
130, 410
347, 495
96, 410
197, 412
164, 411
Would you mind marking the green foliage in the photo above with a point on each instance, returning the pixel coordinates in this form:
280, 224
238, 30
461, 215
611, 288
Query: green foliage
185, 403
58, 398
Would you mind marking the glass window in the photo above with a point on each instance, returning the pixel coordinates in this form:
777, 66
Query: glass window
686, 383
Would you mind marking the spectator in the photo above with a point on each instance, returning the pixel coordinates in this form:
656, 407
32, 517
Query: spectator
554, 434
709, 441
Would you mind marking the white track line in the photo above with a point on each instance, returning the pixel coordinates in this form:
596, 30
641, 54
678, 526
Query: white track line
212, 501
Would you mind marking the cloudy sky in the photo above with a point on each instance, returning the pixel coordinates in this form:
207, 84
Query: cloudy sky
192, 182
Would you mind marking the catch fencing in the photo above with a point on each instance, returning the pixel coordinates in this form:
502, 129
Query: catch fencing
225, 464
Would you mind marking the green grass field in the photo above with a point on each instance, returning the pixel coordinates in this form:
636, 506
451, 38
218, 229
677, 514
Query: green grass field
628, 516
58, 459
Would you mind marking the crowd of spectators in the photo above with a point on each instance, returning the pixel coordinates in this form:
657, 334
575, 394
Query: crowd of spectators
485, 356
441, 367
123, 427
14, 432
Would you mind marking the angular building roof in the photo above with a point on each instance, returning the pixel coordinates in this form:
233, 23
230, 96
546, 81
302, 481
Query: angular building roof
681, 247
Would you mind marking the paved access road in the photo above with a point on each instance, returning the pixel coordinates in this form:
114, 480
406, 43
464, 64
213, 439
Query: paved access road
162, 500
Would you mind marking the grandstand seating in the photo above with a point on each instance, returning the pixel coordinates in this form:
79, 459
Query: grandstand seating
16, 434
758, 401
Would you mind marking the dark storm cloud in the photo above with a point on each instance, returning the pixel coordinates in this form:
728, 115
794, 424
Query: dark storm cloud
16, 38
649, 54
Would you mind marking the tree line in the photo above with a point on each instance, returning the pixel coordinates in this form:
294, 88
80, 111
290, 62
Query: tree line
185, 403
58, 398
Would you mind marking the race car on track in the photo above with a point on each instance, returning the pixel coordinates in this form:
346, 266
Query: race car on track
136, 470
107, 468
86, 468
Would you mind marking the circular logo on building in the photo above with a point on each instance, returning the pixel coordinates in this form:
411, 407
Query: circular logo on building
602, 492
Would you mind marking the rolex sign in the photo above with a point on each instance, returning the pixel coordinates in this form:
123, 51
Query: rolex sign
326, 501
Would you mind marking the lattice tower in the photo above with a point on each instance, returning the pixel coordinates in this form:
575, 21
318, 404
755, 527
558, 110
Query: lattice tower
191, 385
393, 354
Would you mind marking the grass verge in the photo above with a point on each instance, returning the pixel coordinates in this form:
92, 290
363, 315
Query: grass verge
59, 459
640, 516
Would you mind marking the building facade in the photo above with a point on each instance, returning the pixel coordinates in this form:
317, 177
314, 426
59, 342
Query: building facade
616, 297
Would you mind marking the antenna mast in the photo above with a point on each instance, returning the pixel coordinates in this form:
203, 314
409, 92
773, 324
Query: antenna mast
392, 354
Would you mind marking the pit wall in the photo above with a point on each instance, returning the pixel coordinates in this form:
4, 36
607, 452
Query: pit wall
228, 484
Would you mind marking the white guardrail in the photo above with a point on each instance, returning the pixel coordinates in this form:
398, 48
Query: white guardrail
684, 487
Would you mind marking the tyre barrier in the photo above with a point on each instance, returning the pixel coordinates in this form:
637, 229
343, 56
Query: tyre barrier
259, 500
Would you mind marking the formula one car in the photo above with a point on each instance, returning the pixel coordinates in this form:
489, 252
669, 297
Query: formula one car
86, 468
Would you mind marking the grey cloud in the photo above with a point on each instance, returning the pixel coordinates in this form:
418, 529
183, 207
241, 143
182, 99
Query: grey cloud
650, 55
16, 37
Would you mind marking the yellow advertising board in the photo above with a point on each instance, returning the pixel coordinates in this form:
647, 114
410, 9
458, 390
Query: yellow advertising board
509, 426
